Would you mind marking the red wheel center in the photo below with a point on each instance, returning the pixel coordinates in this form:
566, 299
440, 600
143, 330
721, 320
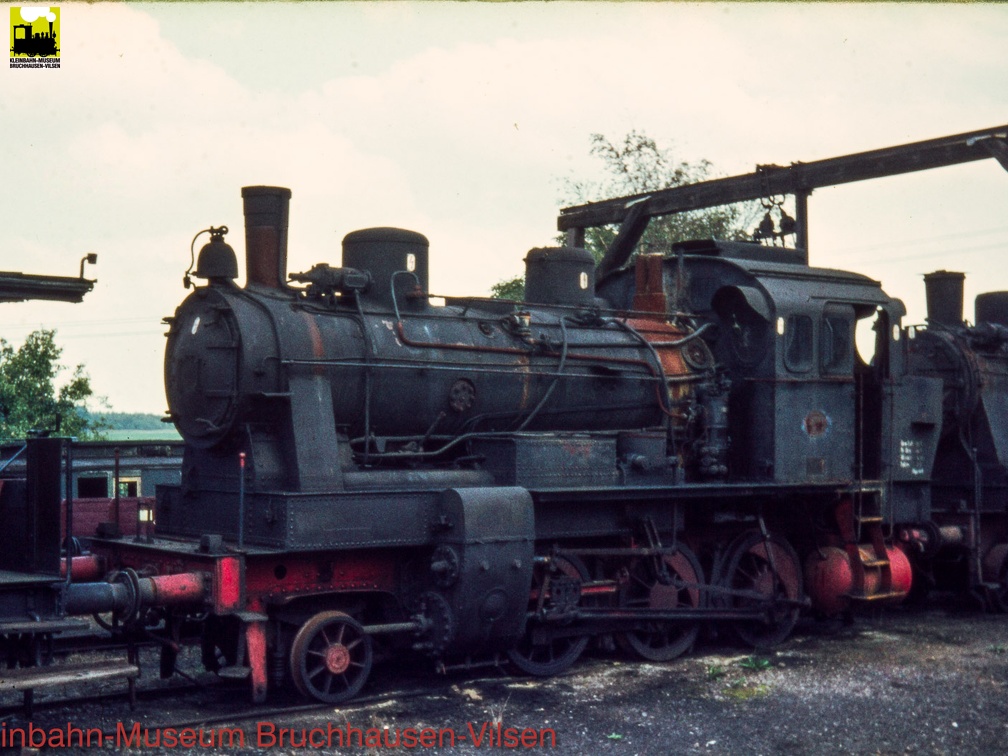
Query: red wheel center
764, 582
663, 597
337, 659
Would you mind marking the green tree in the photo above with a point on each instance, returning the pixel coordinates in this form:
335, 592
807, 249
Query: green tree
29, 397
509, 288
635, 166
639, 165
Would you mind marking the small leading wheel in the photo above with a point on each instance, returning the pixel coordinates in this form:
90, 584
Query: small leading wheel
551, 590
678, 587
330, 657
767, 575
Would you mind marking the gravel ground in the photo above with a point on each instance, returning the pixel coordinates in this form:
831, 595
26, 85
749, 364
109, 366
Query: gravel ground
929, 681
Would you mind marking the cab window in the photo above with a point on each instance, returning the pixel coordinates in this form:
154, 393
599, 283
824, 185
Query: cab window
798, 343
835, 344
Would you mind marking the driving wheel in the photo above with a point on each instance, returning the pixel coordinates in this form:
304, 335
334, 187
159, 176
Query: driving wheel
678, 587
555, 588
764, 573
330, 658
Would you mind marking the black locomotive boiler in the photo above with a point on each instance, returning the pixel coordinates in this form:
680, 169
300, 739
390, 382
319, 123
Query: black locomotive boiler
634, 451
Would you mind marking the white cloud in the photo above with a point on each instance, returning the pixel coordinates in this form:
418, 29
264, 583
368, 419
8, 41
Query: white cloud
34, 13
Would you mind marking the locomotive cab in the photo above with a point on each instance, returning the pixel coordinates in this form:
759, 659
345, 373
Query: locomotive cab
805, 407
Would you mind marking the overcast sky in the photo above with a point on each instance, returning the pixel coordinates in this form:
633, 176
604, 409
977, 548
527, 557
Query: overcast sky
462, 121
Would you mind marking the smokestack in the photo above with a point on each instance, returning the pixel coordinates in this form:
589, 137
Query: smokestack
266, 212
944, 292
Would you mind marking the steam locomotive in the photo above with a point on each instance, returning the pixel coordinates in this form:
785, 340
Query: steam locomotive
695, 439
631, 453
25, 42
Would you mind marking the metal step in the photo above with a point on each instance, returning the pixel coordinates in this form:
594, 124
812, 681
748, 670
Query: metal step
235, 672
875, 563
876, 596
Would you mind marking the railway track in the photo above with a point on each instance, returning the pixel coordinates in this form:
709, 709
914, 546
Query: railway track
167, 710
222, 691
944, 665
